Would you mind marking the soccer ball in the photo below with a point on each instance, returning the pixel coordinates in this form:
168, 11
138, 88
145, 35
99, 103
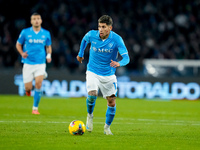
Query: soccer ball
77, 127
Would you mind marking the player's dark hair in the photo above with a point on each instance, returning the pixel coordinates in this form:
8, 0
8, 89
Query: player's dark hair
105, 19
35, 14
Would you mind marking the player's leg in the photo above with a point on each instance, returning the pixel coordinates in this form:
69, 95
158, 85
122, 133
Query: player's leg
110, 113
28, 77
37, 94
91, 100
111, 109
90, 103
28, 88
39, 76
92, 88
108, 88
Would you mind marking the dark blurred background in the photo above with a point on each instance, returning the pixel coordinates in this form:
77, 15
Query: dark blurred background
167, 29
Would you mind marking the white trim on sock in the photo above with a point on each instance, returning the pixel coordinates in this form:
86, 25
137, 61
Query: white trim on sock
35, 108
91, 115
106, 126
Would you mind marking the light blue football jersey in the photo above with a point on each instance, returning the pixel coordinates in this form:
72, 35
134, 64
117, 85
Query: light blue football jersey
103, 51
34, 43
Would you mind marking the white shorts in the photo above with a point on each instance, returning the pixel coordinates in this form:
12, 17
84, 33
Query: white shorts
107, 84
31, 71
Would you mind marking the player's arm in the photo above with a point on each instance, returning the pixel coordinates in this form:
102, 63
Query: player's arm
125, 60
83, 45
123, 52
20, 50
49, 51
80, 55
19, 44
48, 47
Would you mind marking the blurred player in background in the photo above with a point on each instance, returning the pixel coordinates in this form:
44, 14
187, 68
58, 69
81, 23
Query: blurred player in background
100, 74
31, 45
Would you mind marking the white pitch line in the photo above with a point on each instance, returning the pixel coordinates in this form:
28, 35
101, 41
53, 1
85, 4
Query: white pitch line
124, 119
162, 123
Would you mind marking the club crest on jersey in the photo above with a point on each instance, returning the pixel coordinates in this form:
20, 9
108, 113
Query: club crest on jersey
102, 50
110, 45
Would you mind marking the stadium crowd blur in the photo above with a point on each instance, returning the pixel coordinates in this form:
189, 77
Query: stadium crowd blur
150, 28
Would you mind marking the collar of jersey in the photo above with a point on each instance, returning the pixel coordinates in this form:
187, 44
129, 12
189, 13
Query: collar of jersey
34, 31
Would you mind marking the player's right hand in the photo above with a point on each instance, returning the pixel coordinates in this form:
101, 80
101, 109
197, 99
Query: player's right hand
80, 59
24, 54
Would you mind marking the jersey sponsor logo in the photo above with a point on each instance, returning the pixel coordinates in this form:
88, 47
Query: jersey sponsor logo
37, 41
102, 50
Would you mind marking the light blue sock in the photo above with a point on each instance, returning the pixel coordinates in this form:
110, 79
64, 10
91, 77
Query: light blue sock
37, 97
90, 102
110, 114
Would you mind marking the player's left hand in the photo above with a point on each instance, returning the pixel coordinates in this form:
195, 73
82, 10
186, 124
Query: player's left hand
80, 59
48, 57
48, 60
114, 64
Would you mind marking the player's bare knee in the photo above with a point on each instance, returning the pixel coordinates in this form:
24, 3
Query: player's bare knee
111, 100
92, 93
38, 85
111, 103
28, 89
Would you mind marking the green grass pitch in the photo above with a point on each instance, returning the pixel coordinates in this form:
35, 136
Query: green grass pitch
138, 124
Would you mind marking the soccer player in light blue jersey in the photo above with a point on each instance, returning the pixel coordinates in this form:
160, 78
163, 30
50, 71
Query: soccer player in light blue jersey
100, 74
31, 45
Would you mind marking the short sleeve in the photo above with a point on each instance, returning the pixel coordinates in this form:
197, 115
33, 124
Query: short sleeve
21, 38
48, 41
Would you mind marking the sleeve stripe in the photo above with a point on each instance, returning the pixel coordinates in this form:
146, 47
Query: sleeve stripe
124, 53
